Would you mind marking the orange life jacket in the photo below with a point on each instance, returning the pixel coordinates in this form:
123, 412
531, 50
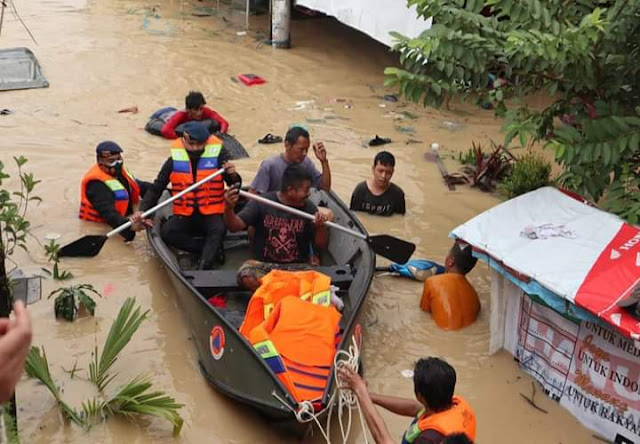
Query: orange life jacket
292, 325
120, 194
298, 341
209, 197
460, 418
277, 284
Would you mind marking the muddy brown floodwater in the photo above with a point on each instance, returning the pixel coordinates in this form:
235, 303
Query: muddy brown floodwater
101, 56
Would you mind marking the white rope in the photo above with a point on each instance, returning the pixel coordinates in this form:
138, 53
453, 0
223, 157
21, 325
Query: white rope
346, 398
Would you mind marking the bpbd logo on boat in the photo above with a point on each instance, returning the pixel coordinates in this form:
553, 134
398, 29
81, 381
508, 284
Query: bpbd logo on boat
216, 342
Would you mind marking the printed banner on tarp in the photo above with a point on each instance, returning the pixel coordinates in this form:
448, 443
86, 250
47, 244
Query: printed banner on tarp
590, 369
613, 277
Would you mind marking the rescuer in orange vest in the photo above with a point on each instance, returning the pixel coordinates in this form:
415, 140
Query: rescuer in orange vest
109, 192
195, 156
437, 413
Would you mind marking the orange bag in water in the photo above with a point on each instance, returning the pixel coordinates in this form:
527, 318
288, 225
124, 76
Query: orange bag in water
451, 299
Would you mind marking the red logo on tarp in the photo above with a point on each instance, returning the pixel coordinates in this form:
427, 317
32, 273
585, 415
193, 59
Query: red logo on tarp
216, 342
612, 278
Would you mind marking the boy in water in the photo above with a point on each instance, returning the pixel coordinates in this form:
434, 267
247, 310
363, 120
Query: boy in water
450, 298
195, 109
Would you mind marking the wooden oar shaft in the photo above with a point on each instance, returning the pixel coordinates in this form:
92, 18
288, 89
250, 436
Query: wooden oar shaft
150, 211
300, 213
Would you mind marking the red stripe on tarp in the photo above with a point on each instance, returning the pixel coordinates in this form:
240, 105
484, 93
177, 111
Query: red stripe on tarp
612, 278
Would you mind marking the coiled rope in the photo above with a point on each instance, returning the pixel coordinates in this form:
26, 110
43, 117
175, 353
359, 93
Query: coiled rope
346, 398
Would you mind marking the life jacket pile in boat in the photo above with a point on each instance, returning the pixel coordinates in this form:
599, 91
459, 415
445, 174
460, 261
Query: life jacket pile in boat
293, 326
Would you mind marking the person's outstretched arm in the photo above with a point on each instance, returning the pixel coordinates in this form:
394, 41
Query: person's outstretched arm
169, 128
399, 406
321, 154
211, 114
374, 421
155, 189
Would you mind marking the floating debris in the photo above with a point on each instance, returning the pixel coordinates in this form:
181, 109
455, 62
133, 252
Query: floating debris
405, 129
452, 126
302, 104
315, 120
531, 400
390, 97
409, 115
154, 25
131, 109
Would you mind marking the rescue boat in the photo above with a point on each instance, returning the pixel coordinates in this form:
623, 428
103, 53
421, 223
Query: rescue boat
227, 360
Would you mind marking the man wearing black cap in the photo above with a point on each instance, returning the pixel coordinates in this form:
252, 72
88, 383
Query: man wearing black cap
194, 156
109, 192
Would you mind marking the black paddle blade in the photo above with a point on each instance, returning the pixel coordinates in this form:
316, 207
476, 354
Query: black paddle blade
394, 249
87, 246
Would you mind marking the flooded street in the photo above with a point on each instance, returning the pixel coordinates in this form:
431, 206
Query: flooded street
102, 56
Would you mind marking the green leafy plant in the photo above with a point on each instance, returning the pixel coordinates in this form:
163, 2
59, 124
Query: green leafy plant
51, 250
530, 172
8, 428
14, 226
37, 366
135, 398
132, 399
70, 300
125, 325
469, 157
485, 169
583, 54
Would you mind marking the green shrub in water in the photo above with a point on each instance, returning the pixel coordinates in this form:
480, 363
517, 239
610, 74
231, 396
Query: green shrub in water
530, 172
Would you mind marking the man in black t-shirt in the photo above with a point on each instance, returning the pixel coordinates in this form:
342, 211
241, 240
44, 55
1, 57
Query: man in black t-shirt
281, 237
378, 195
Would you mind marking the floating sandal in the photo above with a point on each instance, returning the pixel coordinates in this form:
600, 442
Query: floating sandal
270, 138
379, 141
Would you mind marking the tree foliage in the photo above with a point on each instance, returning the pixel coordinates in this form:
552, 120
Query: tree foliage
583, 53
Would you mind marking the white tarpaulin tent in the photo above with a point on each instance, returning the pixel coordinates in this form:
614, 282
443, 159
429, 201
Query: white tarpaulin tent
559, 268
376, 18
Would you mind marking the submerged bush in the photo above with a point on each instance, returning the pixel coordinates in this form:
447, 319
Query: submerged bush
529, 173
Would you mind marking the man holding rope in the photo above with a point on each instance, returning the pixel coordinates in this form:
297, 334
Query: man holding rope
437, 412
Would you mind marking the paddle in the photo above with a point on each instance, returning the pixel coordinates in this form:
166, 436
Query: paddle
394, 249
91, 245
